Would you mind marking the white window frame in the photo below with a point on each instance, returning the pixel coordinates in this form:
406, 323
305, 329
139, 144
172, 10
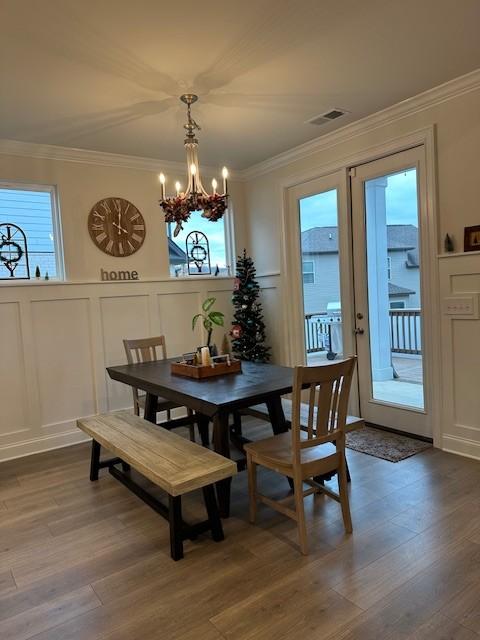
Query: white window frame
312, 272
56, 219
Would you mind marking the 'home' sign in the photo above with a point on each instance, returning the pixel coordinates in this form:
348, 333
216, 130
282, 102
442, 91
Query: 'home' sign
108, 276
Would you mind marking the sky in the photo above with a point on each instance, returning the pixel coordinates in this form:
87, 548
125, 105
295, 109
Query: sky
320, 210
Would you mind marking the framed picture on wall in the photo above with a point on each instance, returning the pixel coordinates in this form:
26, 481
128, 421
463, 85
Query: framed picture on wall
472, 238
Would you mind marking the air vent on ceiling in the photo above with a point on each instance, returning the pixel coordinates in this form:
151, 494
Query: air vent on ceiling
328, 116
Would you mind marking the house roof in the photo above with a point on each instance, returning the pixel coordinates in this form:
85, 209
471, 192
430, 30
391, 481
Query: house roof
400, 237
397, 290
176, 255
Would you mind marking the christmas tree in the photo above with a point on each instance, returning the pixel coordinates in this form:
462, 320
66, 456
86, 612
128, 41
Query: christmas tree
248, 330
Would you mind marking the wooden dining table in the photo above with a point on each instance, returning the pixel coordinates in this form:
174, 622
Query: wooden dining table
213, 399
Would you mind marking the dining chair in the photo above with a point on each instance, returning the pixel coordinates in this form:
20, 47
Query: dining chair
316, 449
149, 350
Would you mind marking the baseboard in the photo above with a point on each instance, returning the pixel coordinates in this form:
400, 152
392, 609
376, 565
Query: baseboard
461, 446
41, 444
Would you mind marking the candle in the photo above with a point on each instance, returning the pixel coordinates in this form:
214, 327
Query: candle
224, 176
214, 185
178, 186
161, 177
205, 356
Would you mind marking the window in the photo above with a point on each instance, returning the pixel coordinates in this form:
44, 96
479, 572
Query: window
389, 268
308, 272
218, 235
33, 209
399, 304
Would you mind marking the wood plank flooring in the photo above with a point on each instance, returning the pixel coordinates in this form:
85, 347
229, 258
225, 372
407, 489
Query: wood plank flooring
89, 561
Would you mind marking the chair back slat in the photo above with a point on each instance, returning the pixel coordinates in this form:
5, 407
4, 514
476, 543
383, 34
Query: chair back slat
311, 411
144, 350
329, 390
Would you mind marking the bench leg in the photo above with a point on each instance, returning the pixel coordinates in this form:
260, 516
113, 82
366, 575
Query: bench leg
176, 526
213, 513
95, 461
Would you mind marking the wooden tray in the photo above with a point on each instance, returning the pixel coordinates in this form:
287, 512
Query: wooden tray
199, 372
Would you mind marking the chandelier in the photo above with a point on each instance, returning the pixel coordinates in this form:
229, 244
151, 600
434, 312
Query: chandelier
178, 208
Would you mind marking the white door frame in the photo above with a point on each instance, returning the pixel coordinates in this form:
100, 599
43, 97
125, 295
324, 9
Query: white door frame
293, 346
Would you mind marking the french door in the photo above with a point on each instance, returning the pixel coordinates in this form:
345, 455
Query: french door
318, 236
388, 209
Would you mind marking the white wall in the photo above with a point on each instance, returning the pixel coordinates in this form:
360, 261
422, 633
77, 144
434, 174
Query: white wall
81, 184
454, 111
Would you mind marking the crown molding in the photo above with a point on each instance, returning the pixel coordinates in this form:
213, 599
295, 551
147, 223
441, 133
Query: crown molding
99, 158
444, 92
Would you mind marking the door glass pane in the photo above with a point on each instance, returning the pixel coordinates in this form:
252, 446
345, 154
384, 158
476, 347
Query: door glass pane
394, 303
321, 277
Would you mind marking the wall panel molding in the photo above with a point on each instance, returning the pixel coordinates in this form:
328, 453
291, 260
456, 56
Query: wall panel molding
49, 388
460, 277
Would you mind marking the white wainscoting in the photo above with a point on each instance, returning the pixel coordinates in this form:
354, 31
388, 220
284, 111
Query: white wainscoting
460, 277
57, 338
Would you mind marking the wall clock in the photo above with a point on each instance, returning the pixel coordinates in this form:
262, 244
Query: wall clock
116, 227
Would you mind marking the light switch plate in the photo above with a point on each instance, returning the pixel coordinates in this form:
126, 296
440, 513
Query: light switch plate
461, 306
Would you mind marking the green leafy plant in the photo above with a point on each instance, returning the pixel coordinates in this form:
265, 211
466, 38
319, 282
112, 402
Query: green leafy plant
209, 318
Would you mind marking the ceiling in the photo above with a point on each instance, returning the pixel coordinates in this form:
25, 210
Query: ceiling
106, 74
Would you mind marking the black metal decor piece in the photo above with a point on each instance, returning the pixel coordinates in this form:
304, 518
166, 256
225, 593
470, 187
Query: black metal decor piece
13, 251
198, 253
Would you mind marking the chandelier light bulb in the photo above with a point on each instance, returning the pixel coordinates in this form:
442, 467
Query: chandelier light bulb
214, 185
193, 169
178, 186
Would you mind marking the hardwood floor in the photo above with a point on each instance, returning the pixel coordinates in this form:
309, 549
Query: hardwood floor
89, 561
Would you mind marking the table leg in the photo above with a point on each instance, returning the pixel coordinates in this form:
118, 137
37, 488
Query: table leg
202, 423
150, 412
276, 415
277, 420
221, 443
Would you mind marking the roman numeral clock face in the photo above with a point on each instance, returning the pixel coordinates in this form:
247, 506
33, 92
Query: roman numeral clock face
116, 226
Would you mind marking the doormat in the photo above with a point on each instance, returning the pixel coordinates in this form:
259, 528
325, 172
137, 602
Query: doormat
385, 445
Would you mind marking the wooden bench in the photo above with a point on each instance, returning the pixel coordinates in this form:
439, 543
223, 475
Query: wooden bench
175, 464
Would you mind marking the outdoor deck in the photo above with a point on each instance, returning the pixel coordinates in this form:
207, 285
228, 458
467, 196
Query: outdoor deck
407, 389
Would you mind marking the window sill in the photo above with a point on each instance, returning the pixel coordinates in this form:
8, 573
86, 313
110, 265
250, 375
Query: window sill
48, 283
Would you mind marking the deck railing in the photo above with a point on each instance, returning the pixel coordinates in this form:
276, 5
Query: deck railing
317, 332
405, 331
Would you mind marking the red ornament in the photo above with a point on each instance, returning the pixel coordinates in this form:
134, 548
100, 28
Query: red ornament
236, 284
236, 331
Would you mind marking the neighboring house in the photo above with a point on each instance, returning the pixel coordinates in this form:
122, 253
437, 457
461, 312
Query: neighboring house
176, 255
321, 279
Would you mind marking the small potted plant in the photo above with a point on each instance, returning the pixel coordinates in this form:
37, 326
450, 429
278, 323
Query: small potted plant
209, 318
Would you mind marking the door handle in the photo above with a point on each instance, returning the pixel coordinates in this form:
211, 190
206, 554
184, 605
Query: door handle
359, 331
